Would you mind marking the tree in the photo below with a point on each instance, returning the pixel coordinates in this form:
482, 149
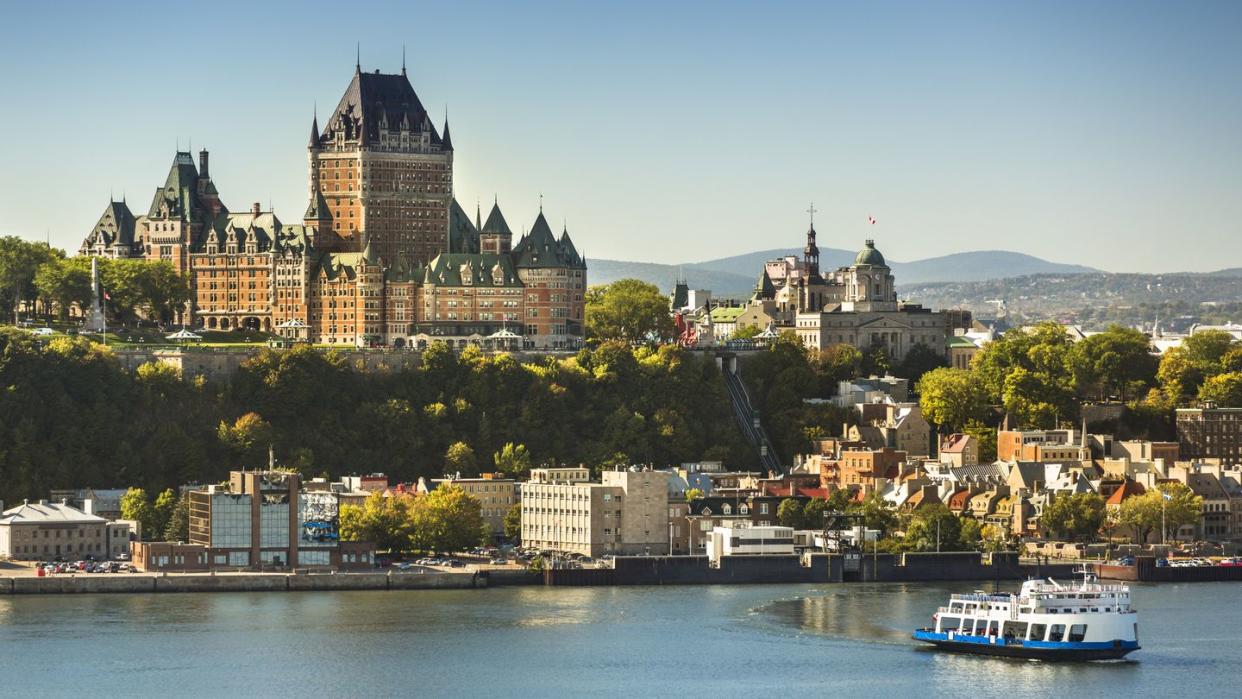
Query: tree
1148, 511
693, 494
919, 360
746, 332
165, 506
1029, 373
1225, 389
971, 535
178, 528
836, 363
249, 438
19, 262
813, 514
629, 310
65, 283
512, 460
164, 291
877, 513
934, 528
460, 459
1076, 517
136, 506
875, 361
1116, 362
513, 522
383, 520
952, 398
789, 513
448, 519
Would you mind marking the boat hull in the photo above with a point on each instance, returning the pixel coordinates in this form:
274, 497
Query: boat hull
1030, 650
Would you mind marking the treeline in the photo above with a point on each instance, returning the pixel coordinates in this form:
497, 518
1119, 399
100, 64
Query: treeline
1040, 378
42, 278
70, 416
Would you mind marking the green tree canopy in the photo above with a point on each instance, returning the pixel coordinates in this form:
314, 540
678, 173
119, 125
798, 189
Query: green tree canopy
1146, 512
135, 505
448, 519
513, 522
952, 398
1076, 517
512, 460
629, 310
1225, 389
934, 528
1117, 362
386, 521
459, 458
919, 360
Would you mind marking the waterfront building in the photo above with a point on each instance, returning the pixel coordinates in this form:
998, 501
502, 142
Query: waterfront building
383, 255
495, 493
1209, 432
741, 539
267, 519
626, 513
56, 531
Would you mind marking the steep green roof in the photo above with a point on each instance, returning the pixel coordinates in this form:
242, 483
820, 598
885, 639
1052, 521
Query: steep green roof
483, 269
463, 235
541, 249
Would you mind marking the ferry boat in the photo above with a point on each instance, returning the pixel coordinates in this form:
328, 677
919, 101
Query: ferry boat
1045, 621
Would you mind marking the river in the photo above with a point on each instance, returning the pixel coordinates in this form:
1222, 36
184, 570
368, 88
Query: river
842, 640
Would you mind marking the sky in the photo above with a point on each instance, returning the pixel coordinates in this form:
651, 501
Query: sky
1097, 133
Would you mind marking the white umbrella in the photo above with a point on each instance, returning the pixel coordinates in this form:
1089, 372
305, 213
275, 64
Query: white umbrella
291, 324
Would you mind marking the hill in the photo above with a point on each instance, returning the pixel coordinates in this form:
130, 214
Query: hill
736, 275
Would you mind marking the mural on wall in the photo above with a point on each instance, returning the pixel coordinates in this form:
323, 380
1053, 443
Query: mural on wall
318, 516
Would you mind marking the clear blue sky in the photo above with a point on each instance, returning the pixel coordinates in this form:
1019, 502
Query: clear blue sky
1108, 134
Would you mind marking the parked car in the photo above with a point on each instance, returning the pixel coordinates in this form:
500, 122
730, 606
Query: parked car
498, 561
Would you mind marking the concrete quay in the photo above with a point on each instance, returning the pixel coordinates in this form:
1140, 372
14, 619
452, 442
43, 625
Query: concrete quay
237, 582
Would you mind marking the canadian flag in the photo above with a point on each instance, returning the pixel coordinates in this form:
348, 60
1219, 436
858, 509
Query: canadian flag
871, 220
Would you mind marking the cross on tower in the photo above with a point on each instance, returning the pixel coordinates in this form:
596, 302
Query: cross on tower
812, 211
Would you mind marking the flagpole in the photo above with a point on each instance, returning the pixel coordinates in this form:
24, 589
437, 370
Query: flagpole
1164, 527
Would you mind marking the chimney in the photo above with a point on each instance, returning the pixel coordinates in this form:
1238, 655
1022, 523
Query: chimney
254, 209
202, 164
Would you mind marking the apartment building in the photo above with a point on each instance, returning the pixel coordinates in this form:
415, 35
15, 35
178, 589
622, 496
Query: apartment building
626, 513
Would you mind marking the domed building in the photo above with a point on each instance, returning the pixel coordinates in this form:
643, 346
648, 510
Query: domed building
855, 305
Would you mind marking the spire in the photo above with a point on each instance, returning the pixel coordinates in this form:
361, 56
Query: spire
478, 216
314, 137
358, 58
403, 59
446, 142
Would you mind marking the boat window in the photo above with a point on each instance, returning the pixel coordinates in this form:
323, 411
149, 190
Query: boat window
949, 623
1077, 633
1014, 629
992, 627
1038, 631
1056, 633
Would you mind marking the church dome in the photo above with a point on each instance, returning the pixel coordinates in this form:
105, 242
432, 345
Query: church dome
870, 256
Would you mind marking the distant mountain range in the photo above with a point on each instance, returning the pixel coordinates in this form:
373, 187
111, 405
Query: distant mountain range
736, 276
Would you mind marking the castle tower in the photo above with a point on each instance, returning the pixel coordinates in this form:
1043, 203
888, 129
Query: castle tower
380, 167
495, 236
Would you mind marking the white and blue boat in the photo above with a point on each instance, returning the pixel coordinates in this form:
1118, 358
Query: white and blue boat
1045, 621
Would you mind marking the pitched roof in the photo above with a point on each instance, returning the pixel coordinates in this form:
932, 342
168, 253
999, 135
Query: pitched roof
541, 249
955, 444
1128, 489
496, 223
463, 235
47, 512
179, 195
372, 99
115, 226
726, 314
480, 269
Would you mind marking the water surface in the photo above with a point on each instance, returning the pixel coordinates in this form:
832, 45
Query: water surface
634, 641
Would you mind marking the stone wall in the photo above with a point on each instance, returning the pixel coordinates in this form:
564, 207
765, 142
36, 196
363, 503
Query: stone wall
101, 583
